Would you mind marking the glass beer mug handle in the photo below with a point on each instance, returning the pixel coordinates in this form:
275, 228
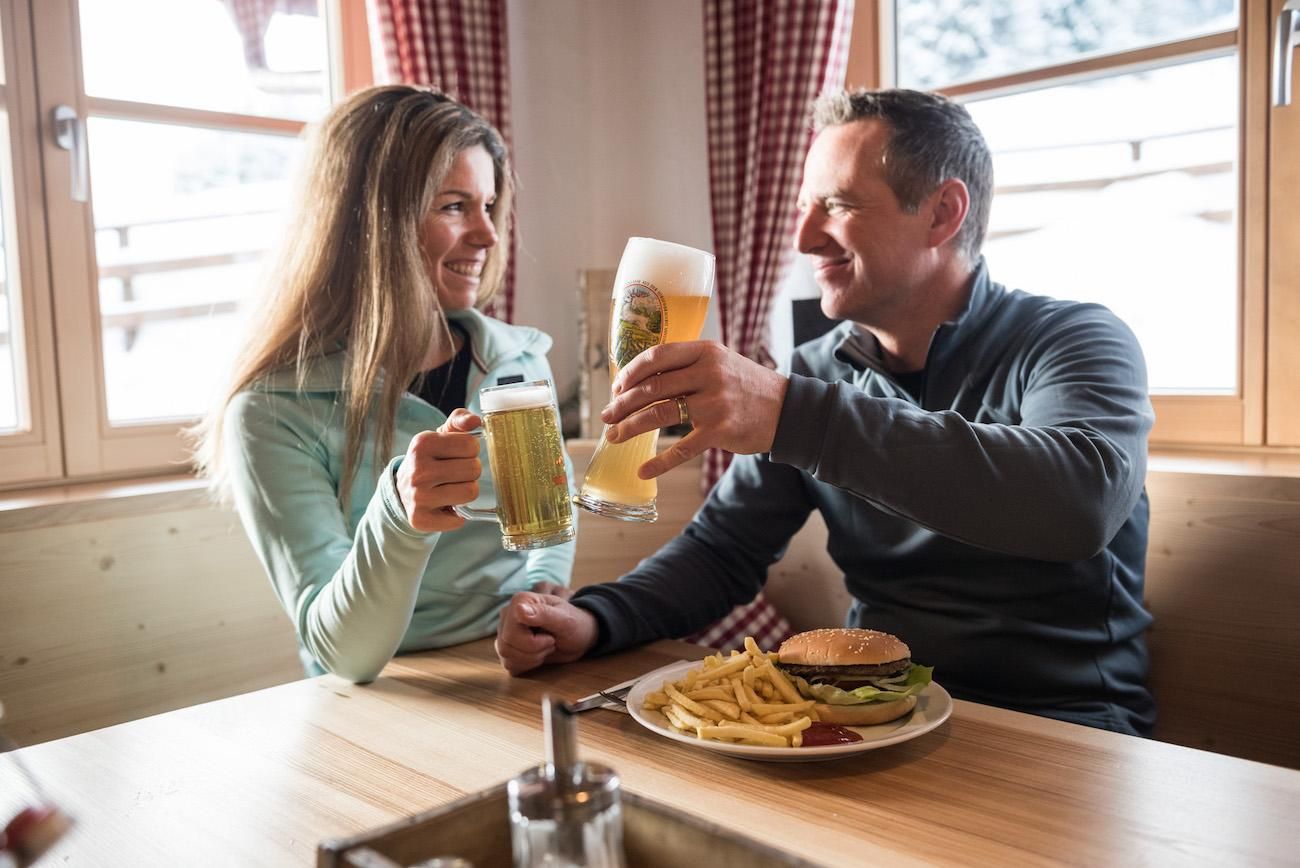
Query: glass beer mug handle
470, 513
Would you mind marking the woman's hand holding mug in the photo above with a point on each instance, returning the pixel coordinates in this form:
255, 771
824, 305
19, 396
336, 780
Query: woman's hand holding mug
440, 470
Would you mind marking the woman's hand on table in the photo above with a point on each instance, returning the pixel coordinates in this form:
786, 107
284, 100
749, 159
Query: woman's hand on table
538, 628
440, 470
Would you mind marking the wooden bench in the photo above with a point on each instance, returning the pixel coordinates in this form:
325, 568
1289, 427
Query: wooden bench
112, 610
1223, 582
118, 602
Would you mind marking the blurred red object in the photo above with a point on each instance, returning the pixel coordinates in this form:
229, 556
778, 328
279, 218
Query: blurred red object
33, 831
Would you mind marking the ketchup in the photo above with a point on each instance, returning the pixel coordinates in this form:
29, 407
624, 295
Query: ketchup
821, 734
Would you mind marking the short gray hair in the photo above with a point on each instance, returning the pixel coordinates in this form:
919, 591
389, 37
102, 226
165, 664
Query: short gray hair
931, 139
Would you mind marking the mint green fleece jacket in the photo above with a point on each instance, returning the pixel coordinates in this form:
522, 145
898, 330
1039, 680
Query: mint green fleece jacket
360, 584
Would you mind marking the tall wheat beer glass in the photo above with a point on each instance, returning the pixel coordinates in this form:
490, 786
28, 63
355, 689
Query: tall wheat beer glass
661, 294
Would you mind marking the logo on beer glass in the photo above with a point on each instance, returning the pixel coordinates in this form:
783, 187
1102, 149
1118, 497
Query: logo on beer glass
638, 322
526, 454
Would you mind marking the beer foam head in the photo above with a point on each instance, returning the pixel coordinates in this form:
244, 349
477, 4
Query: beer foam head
674, 269
520, 397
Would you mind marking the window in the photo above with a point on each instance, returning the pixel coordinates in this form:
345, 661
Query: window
168, 131
1123, 190
1131, 143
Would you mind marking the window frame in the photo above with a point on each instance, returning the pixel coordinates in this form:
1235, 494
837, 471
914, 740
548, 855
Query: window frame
92, 446
1183, 420
1282, 309
70, 438
36, 453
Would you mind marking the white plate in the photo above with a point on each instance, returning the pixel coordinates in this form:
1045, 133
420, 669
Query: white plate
932, 708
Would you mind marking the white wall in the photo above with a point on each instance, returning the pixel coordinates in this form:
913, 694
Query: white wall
607, 108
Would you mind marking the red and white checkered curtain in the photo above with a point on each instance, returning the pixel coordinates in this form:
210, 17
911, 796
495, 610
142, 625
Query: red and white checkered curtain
458, 46
252, 17
766, 60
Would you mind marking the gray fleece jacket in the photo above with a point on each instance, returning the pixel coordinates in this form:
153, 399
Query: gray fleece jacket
998, 524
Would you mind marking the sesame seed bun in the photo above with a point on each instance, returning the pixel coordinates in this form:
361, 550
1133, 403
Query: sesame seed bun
843, 646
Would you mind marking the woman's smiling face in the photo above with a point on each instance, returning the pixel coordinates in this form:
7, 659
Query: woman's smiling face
458, 232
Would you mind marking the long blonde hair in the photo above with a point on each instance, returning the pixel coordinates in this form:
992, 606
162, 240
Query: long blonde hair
352, 271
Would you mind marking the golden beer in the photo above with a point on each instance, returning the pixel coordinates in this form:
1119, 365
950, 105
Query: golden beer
526, 454
661, 295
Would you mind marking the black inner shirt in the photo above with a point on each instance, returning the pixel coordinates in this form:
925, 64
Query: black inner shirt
444, 386
913, 382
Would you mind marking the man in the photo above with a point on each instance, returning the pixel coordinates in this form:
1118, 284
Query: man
978, 454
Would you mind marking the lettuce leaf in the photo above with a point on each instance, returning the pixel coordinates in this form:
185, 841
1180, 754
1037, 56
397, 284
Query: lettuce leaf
917, 679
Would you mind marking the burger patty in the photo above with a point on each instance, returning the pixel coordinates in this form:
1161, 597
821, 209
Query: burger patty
840, 674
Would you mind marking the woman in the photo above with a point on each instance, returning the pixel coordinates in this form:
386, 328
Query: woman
369, 348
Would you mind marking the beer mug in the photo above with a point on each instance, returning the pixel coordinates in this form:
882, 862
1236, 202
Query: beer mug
522, 429
661, 294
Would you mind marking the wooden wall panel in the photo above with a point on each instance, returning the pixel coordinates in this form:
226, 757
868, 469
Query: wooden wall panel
1223, 581
110, 620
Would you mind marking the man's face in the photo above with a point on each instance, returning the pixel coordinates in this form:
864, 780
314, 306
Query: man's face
868, 254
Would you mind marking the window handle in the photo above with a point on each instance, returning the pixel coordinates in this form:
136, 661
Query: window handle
1284, 44
70, 134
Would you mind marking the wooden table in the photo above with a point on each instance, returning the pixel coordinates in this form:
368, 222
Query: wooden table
259, 779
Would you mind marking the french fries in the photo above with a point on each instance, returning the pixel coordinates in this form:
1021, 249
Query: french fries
743, 699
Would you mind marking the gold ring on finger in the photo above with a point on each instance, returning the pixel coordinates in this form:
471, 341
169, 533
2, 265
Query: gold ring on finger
683, 412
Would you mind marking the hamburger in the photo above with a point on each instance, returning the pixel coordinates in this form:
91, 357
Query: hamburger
857, 677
